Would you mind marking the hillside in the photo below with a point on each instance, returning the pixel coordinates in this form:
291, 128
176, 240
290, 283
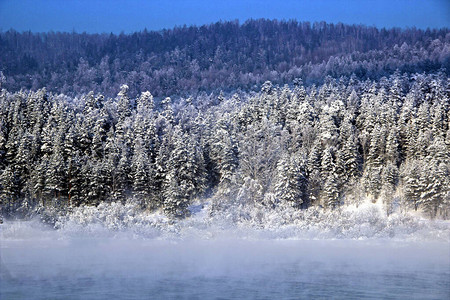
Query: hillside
221, 56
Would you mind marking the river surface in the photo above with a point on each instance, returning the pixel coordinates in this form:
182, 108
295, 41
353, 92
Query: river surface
54, 266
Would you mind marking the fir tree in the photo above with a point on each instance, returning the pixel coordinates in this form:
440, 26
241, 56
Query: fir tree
290, 182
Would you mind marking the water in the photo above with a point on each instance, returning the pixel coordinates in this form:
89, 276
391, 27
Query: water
44, 264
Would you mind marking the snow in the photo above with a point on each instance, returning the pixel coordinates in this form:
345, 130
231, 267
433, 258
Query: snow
364, 221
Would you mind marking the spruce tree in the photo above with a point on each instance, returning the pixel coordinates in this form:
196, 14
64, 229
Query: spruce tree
290, 181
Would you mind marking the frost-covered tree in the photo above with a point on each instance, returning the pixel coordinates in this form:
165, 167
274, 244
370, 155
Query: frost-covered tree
184, 178
259, 150
141, 169
374, 162
347, 160
330, 192
305, 145
411, 184
290, 181
9, 191
224, 153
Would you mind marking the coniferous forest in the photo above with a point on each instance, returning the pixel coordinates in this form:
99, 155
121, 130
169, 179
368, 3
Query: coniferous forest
260, 114
222, 56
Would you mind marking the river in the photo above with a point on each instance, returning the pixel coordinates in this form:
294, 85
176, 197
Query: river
49, 265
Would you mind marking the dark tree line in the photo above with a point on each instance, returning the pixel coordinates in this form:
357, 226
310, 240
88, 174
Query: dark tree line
221, 56
339, 142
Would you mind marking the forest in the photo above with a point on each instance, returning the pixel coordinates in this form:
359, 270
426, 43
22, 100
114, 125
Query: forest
340, 142
222, 56
264, 114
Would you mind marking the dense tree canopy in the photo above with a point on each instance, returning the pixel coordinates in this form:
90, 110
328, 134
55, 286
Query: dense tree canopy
221, 56
300, 146
264, 113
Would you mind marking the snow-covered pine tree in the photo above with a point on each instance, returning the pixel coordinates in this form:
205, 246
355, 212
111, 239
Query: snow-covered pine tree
348, 160
9, 190
433, 181
224, 153
330, 191
167, 112
374, 162
411, 173
290, 181
55, 180
327, 166
328, 128
392, 153
122, 174
141, 173
330, 182
184, 177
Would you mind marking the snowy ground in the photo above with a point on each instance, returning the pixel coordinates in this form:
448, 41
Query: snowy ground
367, 221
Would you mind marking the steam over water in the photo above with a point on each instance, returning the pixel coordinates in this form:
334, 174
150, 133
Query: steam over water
39, 263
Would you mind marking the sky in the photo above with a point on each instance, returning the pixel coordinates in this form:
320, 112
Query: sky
98, 16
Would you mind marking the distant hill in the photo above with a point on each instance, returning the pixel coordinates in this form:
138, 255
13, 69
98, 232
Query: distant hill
221, 56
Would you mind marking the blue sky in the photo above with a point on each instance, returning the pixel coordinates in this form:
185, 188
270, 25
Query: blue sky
135, 15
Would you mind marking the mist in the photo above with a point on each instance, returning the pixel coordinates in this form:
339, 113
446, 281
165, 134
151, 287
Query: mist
36, 260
